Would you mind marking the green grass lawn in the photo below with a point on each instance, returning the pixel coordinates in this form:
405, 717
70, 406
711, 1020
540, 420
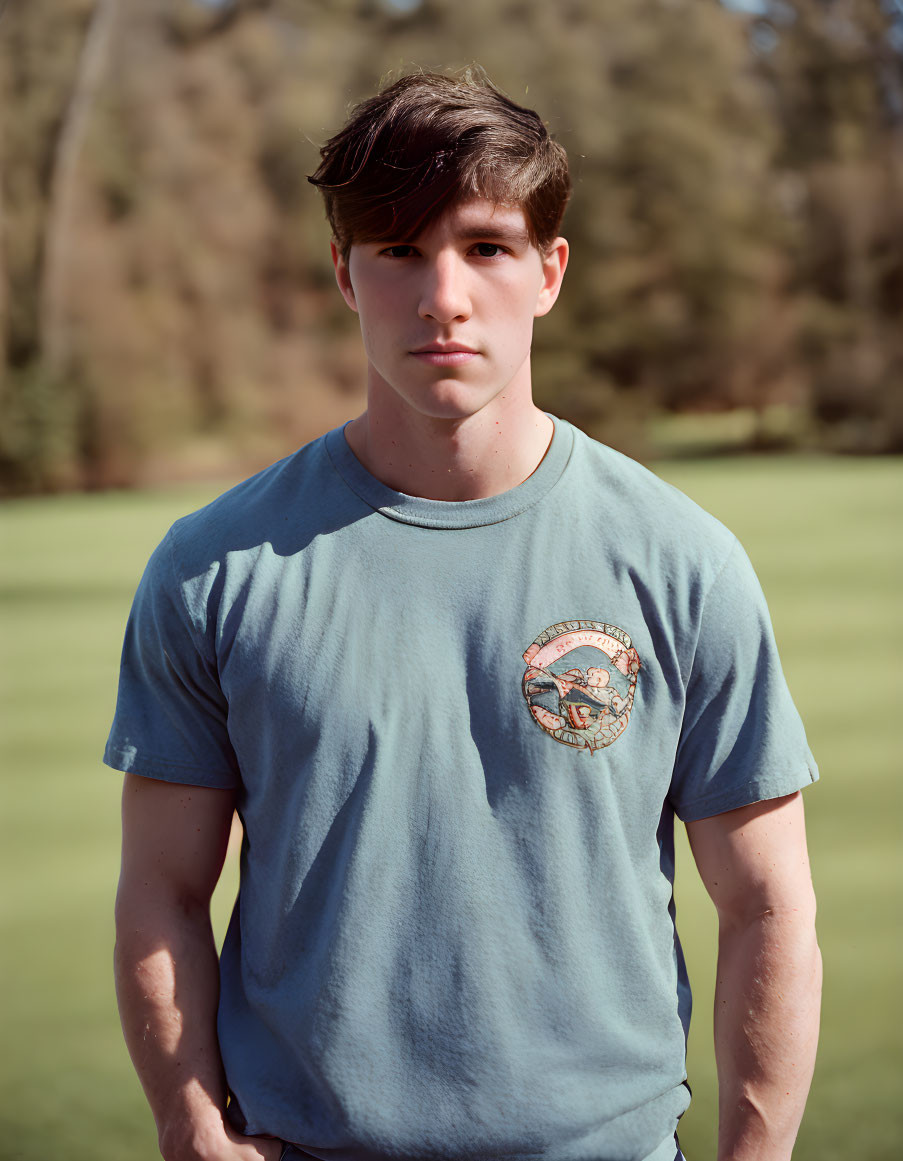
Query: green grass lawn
825, 538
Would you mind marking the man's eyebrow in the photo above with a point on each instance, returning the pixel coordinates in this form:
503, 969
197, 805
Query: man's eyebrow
469, 232
476, 230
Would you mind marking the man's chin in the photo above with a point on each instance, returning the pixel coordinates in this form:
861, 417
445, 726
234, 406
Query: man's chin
453, 399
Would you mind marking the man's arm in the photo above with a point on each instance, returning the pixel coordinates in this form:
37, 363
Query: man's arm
755, 866
174, 840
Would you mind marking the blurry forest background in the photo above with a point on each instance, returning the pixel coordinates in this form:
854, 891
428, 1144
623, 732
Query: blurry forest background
166, 297
168, 312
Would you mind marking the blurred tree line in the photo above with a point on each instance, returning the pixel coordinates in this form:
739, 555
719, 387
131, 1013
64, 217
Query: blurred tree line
166, 293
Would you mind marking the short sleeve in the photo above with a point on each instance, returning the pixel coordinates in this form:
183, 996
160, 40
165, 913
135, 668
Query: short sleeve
741, 740
170, 720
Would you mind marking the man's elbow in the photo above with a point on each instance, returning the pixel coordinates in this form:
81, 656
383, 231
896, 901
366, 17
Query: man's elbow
150, 915
789, 912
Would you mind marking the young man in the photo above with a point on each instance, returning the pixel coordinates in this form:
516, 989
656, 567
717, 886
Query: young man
457, 710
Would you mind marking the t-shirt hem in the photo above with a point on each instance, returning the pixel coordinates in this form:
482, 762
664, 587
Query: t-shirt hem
762, 790
164, 770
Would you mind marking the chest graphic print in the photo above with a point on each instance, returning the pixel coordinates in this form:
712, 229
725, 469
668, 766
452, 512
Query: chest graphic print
579, 682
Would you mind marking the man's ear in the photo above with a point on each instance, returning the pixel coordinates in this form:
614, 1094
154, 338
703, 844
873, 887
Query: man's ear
554, 264
343, 276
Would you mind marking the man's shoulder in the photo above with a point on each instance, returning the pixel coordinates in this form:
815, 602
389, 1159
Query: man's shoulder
643, 510
280, 505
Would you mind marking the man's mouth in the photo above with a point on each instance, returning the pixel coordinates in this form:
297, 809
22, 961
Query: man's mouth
445, 354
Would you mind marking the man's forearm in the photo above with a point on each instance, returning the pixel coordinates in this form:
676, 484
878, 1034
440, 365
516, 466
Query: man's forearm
767, 1002
167, 984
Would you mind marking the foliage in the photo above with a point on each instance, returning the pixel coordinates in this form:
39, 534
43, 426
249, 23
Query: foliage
736, 225
38, 437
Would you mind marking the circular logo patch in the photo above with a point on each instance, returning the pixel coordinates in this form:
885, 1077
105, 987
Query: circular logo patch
579, 683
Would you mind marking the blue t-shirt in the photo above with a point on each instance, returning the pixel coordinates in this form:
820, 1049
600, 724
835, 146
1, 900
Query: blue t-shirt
458, 732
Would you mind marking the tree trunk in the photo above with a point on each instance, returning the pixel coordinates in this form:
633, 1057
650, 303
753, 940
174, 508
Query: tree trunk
54, 328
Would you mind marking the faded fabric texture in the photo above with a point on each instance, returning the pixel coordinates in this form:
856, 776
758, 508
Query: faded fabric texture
458, 733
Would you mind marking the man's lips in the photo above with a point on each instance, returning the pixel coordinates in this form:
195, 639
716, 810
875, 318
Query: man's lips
445, 354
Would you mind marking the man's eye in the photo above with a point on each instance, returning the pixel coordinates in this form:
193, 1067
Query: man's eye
489, 249
399, 251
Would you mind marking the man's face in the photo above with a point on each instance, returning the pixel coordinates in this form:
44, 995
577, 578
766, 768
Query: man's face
447, 318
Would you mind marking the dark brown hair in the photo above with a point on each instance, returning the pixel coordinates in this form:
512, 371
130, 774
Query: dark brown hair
429, 141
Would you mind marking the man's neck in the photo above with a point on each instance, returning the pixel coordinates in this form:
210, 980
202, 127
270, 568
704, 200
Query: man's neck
443, 459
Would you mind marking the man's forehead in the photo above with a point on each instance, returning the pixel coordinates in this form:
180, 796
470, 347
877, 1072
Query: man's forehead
479, 218
480, 213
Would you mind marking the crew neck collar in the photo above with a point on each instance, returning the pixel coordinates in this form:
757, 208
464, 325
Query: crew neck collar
452, 513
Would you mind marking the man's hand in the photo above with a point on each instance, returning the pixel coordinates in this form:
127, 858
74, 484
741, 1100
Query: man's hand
252, 1148
754, 864
218, 1141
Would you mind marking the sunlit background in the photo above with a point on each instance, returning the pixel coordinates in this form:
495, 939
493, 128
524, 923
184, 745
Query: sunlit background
733, 316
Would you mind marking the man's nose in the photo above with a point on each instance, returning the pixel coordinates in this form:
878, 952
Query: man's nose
445, 296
